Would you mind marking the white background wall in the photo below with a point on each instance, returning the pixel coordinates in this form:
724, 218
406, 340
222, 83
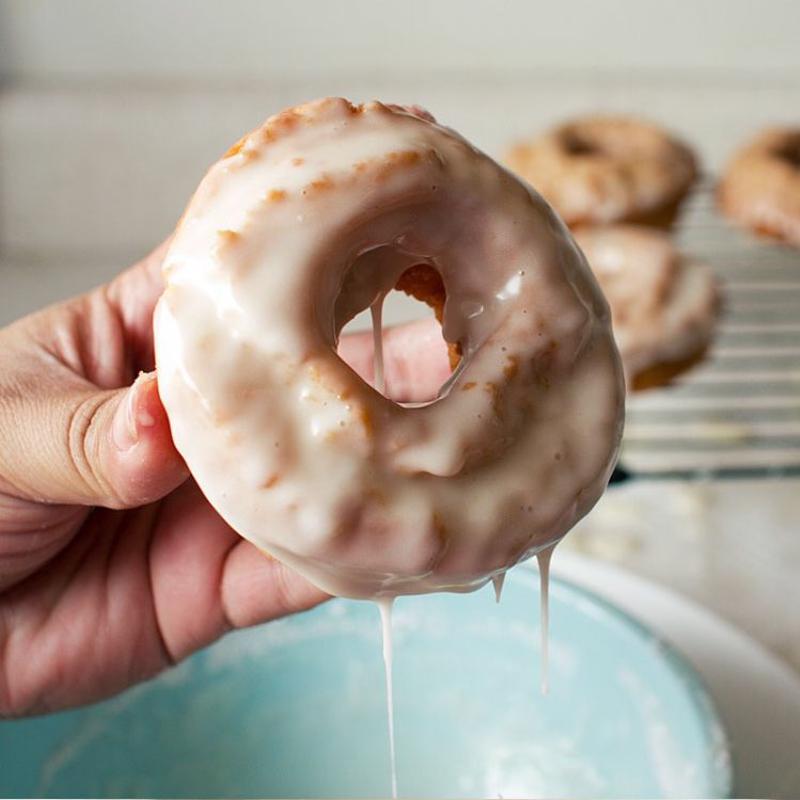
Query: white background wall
258, 40
110, 111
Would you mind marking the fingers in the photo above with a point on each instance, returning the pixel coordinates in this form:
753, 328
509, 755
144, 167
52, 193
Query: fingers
68, 435
256, 588
135, 452
134, 294
206, 579
416, 363
94, 448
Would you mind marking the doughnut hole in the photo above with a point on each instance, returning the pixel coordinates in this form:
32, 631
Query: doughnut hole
789, 152
576, 145
416, 366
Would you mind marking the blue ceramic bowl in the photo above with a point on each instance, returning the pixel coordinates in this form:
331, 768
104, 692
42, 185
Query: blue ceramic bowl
297, 709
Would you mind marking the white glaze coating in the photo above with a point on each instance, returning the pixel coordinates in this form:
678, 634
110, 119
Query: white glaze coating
664, 308
302, 225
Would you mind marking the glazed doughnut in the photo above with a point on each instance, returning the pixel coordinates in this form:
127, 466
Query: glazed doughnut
663, 308
304, 223
598, 170
761, 186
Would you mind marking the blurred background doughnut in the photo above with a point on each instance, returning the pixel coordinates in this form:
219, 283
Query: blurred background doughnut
664, 307
603, 169
760, 188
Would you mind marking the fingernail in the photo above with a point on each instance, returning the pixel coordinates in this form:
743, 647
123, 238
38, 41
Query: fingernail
132, 415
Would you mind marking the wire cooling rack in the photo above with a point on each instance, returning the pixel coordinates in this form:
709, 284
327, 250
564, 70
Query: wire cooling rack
737, 414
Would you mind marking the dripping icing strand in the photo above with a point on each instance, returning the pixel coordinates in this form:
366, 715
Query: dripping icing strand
498, 581
385, 606
543, 558
376, 312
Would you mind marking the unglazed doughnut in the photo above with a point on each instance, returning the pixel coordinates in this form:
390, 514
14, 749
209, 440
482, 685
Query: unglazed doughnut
663, 308
305, 222
761, 186
597, 170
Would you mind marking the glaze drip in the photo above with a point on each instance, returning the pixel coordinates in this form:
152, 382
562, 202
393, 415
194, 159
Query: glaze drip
385, 605
376, 313
498, 581
543, 558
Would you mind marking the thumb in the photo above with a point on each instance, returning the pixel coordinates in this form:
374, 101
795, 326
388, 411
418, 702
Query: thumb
137, 455
98, 448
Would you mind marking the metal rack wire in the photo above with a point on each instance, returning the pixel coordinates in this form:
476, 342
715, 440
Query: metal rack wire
738, 413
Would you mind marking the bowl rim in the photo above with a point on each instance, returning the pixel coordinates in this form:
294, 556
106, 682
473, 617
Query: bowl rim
695, 686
